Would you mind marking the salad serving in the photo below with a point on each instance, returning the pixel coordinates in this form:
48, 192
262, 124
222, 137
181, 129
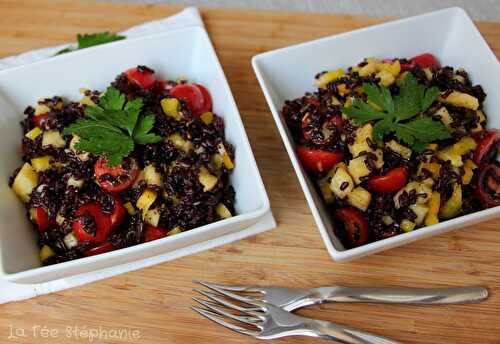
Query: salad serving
145, 159
395, 145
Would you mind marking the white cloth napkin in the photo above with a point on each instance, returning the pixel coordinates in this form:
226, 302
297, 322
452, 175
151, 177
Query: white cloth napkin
11, 290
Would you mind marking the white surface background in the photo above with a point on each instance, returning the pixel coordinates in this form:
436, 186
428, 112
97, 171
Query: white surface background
478, 9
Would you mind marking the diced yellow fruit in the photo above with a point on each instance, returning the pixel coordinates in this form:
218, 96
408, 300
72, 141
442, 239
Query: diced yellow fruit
339, 181
481, 115
379, 163
223, 212
469, 167
394, 68
25, 181
70, 240
421, 189
53, 138
434, 203
368, 69
152, 216
396, 147
432, 146
76, 183
41, 164
429, 182
208, 180
171, 108
41, 109
359, 198
180, 143
348, 103
129, 208
449, 154
460, 99
464, 146
420, 211
151, 176
387, 220
174, 231
386, 78
432, 167
334, 101
216, 161
228, 163
86, 100
146, 199
342, 89
358, 169
360, 141
60, 219
46, 252
444, 116
207, 117
329, 77
83, 156
453, 205
33, 133
407, 225
428, 73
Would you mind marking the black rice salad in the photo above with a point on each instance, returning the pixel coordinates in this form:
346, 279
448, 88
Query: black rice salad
145, 159
395, 145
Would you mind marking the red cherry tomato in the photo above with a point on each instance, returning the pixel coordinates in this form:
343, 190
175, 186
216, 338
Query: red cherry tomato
102, 222
39, 120
127, 177
196, 96
426, 60
154, 233
392, 181
488, 186
118, 213
42, 219
317, 160
490, 140
101, 248
355, 225
141, 76
338, 122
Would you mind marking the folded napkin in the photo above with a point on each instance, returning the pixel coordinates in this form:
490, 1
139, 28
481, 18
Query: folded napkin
13, 290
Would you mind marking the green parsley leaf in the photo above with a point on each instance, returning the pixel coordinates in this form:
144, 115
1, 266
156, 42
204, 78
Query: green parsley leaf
90, 40
412, 100
113, 127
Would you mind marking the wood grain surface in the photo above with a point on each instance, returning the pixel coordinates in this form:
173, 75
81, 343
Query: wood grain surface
154, 302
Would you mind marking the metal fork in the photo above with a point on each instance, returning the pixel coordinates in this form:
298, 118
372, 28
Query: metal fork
265, 321
291, 299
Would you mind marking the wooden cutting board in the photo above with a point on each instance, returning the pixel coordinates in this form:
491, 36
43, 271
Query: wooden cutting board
154, 302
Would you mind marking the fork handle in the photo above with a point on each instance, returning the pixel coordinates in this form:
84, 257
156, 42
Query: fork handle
402, 295
342, 334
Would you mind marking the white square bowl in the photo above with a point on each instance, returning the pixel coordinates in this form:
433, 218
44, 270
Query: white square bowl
449, 34
184, 52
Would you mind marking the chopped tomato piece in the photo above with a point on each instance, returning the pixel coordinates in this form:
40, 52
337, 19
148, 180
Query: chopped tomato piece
426, 60
38, 121
42, 219
142, 76
490, 141
116, 179
317, 160
355, 225
154, 233
118, 213
101, 248
392, 181
196, 96
102, 224
488, 186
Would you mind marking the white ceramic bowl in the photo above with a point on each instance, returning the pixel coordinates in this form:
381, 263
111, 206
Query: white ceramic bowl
184, 52
449, 34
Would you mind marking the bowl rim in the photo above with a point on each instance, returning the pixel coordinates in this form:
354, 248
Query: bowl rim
305, 181
263, 198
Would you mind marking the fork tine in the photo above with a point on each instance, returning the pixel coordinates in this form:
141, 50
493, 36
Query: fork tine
227, 293
218, 319
215, 307
215, 297
211, 285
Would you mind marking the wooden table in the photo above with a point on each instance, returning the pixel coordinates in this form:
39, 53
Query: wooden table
154, 302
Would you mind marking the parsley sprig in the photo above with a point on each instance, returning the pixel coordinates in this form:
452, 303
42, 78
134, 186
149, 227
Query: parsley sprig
89, 40
112, 128
400, 113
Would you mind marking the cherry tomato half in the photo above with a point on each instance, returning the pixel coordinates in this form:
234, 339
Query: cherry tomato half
102, 222
154, 233
355, 225
426, 60
101, 248
325, 132
118, 213
392, 181
42, 219
141, 76
39, 120
196, 96
317, 160
123, 178
488, 186
490, 140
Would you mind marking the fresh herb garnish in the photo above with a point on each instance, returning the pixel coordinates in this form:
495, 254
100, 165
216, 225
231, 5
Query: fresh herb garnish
90, 40
114, 127
398, 112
